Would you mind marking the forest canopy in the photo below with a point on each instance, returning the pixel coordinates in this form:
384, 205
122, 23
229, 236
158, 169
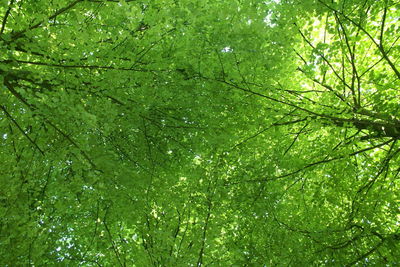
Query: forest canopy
199, 133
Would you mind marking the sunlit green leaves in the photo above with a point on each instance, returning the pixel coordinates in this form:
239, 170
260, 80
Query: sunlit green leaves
140, 133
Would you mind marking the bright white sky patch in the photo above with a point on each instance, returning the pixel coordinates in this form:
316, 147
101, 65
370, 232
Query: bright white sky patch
268, 20
226, 49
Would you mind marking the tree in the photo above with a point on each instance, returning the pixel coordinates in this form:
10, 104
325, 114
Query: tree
140, 133
338, 172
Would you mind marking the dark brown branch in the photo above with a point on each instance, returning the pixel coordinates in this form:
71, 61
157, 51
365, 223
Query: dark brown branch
384, 129
142, 53
80, 66
20, 129
37, 25
385, 165
233, 85
378, 45
383, 25
176, 233
69, 139
363, 256
329, 64
355, 75
7, 82
295, 139
3, 24
393, 43
43, 191
117, 254
204, 234
10, 77
266, 129
371, 67
320, 162
330, 89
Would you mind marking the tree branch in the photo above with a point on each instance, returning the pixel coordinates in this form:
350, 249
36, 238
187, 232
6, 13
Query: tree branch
80, 66
320, 162
20, 129
3, 24
19, 34
330, 66
378, 45
355, 75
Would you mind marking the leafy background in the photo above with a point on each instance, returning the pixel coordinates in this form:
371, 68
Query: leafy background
215, 133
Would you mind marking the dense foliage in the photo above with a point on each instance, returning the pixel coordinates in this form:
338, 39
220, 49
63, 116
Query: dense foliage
191, 133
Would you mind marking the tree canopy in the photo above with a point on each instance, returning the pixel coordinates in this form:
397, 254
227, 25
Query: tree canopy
199, 133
